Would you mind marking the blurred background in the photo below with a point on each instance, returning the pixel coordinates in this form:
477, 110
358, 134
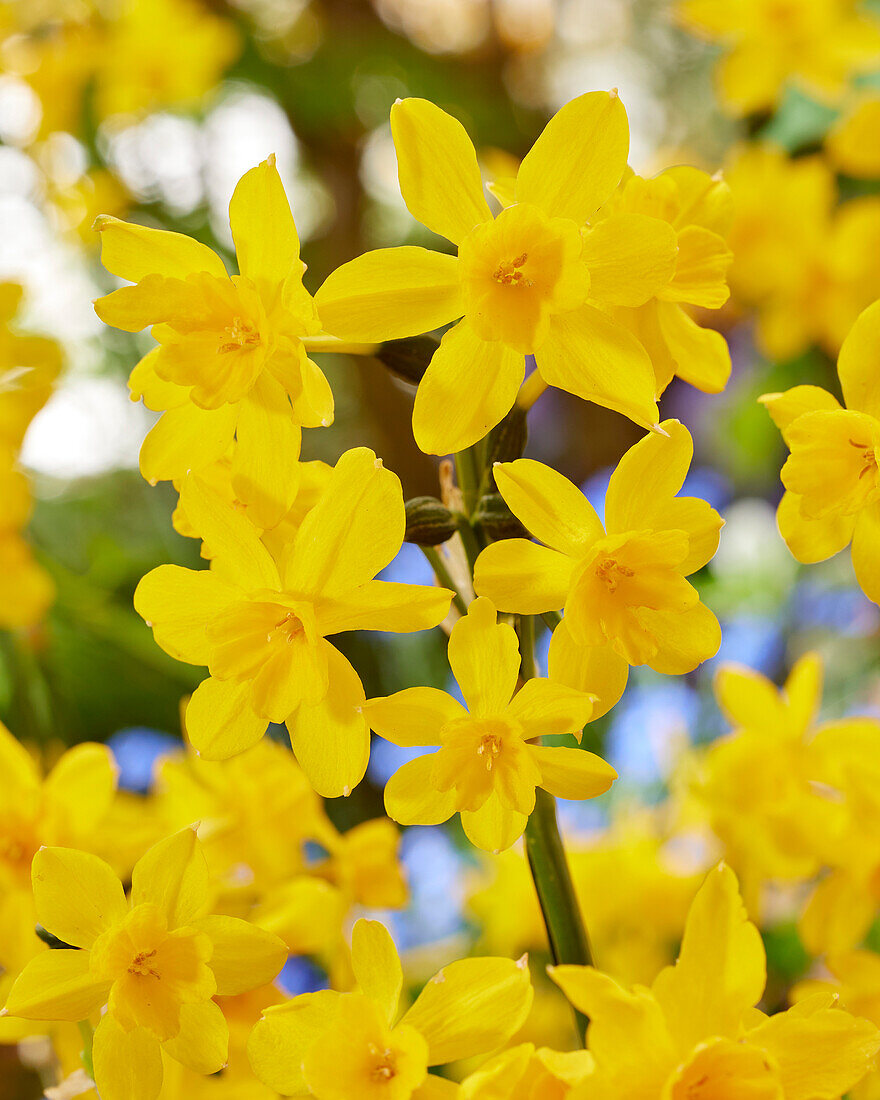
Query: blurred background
152, 109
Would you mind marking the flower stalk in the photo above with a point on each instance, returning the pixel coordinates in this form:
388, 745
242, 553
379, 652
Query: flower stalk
566, 932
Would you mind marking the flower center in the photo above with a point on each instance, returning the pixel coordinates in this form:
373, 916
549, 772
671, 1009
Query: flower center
385, 1065
510, 273
610, 571
489, 748
141, 966
290, 628
869, 458
240, 335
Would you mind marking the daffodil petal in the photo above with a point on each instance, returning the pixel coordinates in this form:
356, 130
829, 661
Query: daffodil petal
19, 768
822, 1054
390, 294
230, 534
470, 385
700, 270
352, 532
803, 690
684, 638
385, 605
56, 985
220, 719
749, 700
549, 506
518, 575
572, 773
128, 1064
244, 956
186, 438
437, 166
471, 1007
631, 258
376, 965
203, 1040
412, 799
494, 827
749, 77
837, 916
331, 740
76, 895
546, 708
133, 251
173, 875
266, 241
786, 407
593, 357
866, 551
721, 969
485, 660
178, 604
157, 394
280, 1041
265, 466
437, 1088
579, 159
648, 476
413, 717
620, 1022
700, 356
598, 670
812, 540
82, 785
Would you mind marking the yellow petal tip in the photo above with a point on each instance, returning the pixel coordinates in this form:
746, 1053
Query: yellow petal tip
614, 93
523, 961
346, 791
270, 160
658, 429
100, 223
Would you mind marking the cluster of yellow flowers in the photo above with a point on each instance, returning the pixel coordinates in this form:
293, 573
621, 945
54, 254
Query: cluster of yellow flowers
164, 949
29, 366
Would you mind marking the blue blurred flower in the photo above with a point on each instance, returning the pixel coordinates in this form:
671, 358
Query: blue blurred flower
300, 975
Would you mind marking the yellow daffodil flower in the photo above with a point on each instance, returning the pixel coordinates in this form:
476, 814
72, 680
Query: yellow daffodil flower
815, 44
696, 1035
623, 586
765, 786
66, 807
485, 768
849, 143
831, 477
699, 208
231, 362
261, 624
155, 961
524, 1073
336, 1046
525, 282
803, 265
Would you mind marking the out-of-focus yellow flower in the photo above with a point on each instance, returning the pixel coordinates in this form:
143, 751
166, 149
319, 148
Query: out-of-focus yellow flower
831, 478
618, 877
138, 56
78, 204
765, 786
29, 367
804, 266
161, 53
335, 1046
817, 45
524, 1073
156, 962
486, 769
696, 1033
231, 362
66, 807
526, 282
623, 586
699, 208
850, 142
261, 624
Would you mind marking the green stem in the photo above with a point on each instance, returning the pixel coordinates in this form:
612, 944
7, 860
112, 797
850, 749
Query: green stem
443, 575
467, 473
566, 933
85, 1030
469, 538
